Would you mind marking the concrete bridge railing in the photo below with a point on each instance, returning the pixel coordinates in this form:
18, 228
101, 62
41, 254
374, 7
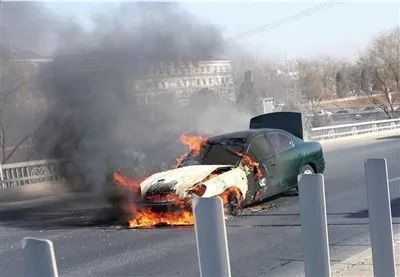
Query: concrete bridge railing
31, 172
345, 130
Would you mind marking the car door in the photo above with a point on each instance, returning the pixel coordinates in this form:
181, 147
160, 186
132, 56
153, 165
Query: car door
287, 159
262, 152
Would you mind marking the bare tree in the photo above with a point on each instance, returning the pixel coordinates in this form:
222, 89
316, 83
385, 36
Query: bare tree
340, 90
15, 100
310, 81
382, 64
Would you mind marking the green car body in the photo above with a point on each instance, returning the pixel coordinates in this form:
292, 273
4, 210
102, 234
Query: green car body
260, 162
280, 155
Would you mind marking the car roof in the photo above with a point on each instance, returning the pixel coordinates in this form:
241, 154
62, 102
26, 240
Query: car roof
248, 134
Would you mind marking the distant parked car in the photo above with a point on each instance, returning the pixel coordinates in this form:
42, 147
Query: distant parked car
369, 109
342, 111
323, 112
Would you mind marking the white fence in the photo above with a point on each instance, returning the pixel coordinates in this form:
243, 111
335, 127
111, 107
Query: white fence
17, 174
338, 131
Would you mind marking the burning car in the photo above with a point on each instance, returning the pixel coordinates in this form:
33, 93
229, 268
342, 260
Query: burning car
240, 167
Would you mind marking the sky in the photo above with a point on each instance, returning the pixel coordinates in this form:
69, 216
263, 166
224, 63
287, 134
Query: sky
342, 30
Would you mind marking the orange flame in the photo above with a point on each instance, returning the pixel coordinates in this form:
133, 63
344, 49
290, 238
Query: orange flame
193, 142
124, 181
235, 191
181, 214
247, 160
146, 218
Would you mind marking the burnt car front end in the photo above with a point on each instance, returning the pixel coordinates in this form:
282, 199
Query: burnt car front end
210, 172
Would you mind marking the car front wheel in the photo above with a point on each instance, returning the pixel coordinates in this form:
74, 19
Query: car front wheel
307, 169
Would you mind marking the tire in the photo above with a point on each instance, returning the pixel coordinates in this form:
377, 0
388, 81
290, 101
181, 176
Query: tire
307, 169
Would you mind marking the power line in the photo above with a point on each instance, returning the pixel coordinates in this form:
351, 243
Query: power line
285, 20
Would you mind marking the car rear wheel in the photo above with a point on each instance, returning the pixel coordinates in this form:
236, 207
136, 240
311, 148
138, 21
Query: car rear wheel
307, 169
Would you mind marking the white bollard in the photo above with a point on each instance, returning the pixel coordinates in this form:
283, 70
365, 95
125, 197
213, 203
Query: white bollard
380, 219
39, 258
212, 244
313, 225
2, 177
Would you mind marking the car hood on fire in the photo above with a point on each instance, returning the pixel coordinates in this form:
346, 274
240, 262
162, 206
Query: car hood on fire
179, 179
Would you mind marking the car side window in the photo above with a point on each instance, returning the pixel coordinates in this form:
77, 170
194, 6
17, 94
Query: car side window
280, 141
260, 148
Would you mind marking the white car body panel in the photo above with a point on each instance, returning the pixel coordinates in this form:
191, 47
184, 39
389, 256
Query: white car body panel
234, 177
186, 177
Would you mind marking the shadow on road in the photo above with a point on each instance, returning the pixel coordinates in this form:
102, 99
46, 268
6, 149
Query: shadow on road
390, 137
81, 211
62, 214
395, 206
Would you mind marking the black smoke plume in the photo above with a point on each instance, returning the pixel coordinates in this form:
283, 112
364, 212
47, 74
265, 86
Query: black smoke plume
93, 120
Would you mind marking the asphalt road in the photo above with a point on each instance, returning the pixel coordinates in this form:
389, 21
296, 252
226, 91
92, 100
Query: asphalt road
261, 243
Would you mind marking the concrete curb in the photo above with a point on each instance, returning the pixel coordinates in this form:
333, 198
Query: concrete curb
359, 259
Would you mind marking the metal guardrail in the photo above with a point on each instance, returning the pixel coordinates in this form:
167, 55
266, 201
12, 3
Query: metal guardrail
18, 174
344, 130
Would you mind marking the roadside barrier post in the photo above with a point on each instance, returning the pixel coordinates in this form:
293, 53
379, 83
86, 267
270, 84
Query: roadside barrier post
380, 220
313, 225
39, 258
212, 244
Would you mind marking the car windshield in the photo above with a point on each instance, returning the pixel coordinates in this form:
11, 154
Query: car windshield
217, 152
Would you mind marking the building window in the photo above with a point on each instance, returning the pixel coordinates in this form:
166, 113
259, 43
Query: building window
204, 81
202, 69
210, 81
198, 82
221, 69
222, 80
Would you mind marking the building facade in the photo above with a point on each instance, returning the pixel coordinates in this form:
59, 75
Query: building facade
184, 79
